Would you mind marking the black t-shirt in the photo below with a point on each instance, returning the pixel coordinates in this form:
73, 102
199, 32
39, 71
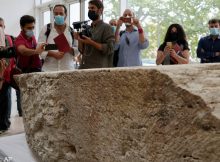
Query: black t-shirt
183, 45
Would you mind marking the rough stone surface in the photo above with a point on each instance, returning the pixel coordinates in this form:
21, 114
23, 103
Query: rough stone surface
154, 114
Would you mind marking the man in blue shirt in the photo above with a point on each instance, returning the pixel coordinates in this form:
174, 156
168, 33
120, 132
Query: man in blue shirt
131, 41
209, 47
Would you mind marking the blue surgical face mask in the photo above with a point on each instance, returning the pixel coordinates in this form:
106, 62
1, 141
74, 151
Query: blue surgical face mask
59, 20
114, 29
29, 33
214, 31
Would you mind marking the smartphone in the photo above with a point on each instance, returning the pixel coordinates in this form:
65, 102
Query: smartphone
126, 19
170, 44
50, 47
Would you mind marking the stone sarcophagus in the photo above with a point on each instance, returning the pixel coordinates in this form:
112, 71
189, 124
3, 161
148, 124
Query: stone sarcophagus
154, 114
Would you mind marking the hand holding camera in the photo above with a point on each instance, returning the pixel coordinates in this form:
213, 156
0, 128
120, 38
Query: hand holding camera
49, 47
136, 22
167, 48
172, 48
40, 48
119, 23
169, 44
126, 19
82, 38
82, 28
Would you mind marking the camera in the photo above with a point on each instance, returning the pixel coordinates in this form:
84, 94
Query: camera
50, 47
126, 19
83, 28
7, 52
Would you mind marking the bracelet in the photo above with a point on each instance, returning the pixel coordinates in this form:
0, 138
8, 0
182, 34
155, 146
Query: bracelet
140, 30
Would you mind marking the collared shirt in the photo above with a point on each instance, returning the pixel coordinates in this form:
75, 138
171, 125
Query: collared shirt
51, 63
94, 58
130, 49
27, 62
207, 48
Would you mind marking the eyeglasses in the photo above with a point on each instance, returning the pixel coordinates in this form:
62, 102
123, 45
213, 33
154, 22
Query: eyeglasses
127, 40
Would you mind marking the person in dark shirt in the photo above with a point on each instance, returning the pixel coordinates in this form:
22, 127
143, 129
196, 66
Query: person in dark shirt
99, 47
175, 49
209, 47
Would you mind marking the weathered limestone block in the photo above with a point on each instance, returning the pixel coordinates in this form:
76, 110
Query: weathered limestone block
154, 114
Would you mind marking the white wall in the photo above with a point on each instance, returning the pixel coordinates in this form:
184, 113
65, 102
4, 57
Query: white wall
12, 10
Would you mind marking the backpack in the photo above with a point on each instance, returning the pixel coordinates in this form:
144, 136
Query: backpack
47, 33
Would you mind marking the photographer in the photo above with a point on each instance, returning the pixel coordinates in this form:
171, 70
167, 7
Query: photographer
131, 41
175, 48
99, 48
26, 46
55, 60
28, 59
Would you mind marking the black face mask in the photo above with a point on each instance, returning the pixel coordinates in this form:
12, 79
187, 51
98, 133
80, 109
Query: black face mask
93, 15
174, 36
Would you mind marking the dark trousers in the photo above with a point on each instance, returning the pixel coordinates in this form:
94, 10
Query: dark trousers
5, 106
18, 95
9, 101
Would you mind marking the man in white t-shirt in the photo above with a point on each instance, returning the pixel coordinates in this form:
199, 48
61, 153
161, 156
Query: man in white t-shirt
55, 60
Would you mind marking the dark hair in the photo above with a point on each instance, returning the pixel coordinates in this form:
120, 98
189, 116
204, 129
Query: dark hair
213, 21
26, 19
97, 3
61, 5
180, 32
1, 19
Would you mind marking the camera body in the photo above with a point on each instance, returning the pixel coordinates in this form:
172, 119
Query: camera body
126, 19
83, 28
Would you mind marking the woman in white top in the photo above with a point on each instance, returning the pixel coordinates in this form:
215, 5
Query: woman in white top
55, 60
